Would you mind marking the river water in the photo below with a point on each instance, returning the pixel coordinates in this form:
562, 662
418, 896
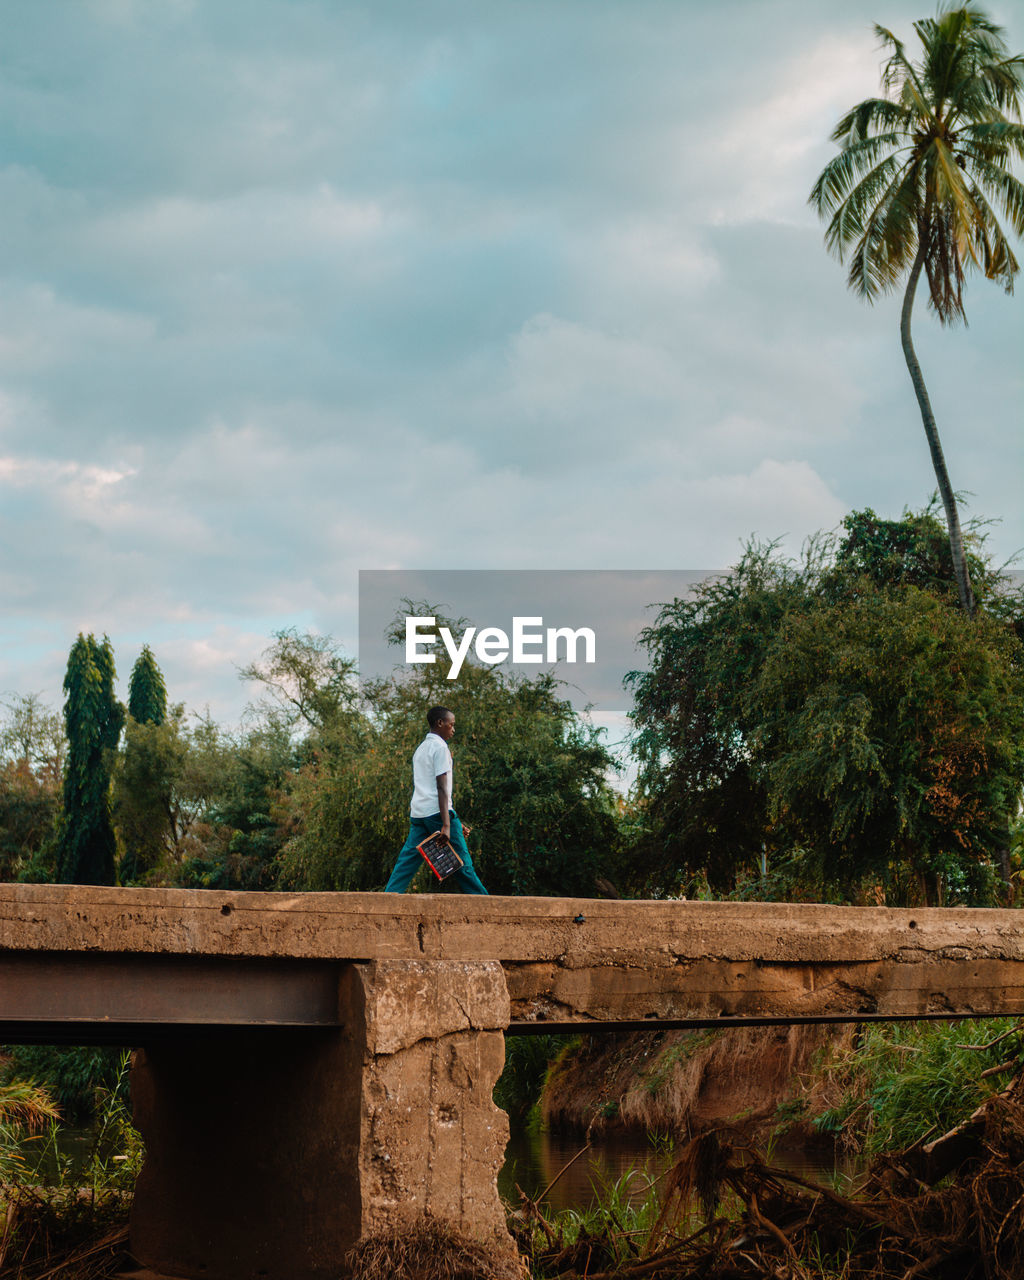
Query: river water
534, 1160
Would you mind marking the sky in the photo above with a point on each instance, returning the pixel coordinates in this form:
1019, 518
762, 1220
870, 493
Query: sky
291, 289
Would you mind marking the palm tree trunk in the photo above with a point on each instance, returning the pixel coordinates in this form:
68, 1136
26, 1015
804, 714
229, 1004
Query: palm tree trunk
956, 542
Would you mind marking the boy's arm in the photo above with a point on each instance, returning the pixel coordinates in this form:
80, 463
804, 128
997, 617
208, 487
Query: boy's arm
444, 804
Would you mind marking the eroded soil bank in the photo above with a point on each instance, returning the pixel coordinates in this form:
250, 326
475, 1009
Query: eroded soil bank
683, 1082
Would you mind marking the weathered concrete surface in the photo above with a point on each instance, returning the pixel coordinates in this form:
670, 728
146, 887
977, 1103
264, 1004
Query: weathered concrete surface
271, 1156
431, 1138
572, 960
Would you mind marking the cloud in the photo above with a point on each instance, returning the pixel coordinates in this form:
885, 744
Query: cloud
289, 289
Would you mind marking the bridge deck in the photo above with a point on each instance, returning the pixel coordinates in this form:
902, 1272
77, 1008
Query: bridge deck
121, 963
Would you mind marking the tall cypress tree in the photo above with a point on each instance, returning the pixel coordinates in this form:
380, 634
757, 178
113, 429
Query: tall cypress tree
142, 792
94, 719
147, 693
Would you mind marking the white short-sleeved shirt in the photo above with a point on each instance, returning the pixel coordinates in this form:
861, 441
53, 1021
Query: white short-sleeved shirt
430, 759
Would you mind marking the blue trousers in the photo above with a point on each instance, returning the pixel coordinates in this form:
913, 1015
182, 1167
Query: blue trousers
410, 860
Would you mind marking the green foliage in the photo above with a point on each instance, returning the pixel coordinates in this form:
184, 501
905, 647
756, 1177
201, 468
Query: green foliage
201, 808
847, 726
25, 1108
237, 843
28, 810
617, 1228
908, 1079
910, 552
895, 726
147, 693
67, 1215
32, 752
93, 719
72, 1076
309, 682
116, 1150
32, 735
526, 1063
529, 777
144, 782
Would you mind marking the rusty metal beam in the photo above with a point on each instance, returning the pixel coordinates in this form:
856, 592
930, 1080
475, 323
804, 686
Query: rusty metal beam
80, 997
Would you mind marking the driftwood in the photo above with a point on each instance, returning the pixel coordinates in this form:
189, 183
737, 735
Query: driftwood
904, 1223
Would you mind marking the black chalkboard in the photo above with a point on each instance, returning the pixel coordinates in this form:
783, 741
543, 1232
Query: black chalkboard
439, 855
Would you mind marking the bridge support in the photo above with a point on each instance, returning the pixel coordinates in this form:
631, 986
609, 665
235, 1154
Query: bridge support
271, 1155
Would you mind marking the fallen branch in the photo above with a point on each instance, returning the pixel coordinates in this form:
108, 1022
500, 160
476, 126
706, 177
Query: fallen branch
1017, 1027
1008, 1065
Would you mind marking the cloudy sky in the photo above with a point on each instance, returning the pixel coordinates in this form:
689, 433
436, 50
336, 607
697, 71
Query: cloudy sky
294, 288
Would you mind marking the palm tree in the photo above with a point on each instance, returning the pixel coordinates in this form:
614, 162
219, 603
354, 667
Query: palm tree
913, 185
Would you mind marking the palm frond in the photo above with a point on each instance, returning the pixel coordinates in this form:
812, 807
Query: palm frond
949, 188
1008, 189
899, 73
993, 137
889, 240
944, 268
944, 53
998, 261
853, 214
840, 175
871, 114
1006, 81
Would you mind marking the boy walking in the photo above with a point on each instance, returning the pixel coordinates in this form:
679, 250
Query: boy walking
431, 808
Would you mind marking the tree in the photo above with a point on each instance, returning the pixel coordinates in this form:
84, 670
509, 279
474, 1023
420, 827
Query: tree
143, 779
191, 803
310, 682
32, 751
235, 840
910, 190
147, 693
28, 808
93, 718
33, 736
843, 712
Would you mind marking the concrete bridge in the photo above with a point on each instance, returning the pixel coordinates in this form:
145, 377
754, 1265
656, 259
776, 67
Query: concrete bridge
311, 1068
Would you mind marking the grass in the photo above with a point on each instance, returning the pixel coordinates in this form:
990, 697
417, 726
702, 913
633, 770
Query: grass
70, 1222
617, 1228
905, 1080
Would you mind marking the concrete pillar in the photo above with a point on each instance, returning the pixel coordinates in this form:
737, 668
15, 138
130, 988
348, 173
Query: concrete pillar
270, 1153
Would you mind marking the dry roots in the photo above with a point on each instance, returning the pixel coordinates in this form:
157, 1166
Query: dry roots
900, 1226
47, 1235
429, 1251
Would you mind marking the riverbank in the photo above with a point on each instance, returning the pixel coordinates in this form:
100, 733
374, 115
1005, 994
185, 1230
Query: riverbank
945, 1210
684, 1082
935, 1111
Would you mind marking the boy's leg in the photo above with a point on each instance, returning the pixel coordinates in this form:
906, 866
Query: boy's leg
409, 861
466, 877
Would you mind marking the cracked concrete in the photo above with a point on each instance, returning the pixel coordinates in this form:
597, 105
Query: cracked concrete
622, 960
